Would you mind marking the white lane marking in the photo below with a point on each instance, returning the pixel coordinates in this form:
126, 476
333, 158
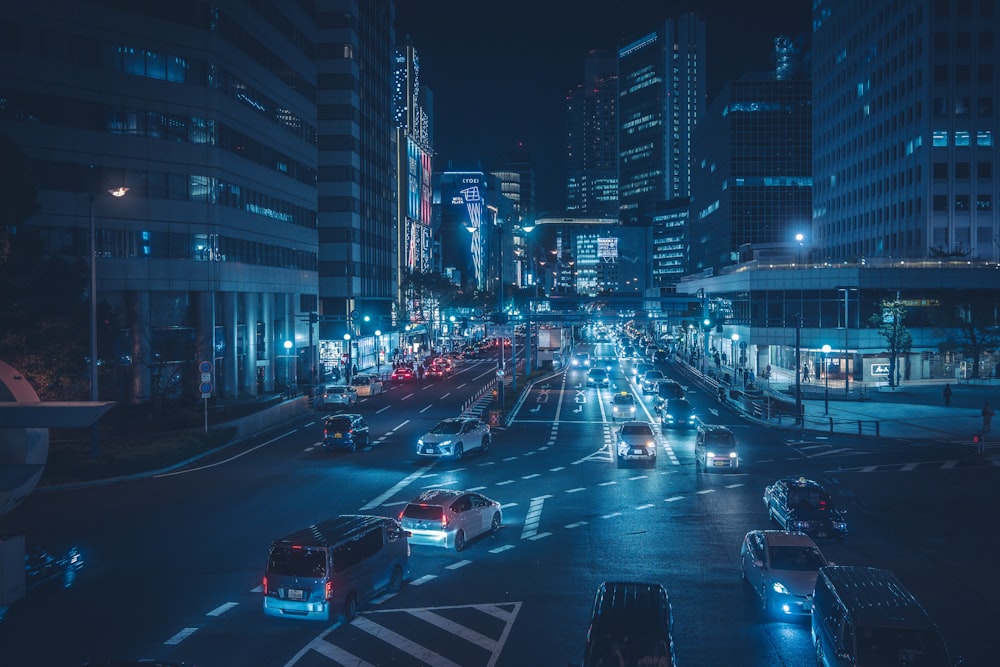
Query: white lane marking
401, 643
407, 396
409, 479
869, 468
948, 465
575, 525
180, 636
632, 479
557, 468
531, 476
222, 609
506, 505
475, 488
733, 486
908, 467
426, 409
609, 516
529, 453
334, 652
460, 386
542, 449
832, 451
383, 409
446, 395
576, 490
308, 424
423, 580
382, 598
401, 425
259, 588
447, 482
644, 507
455, 566
501, 549
539, 536
532, 517
505, 482
607, 483
673, 499
509, 458
231, 458
706, 491
454, 628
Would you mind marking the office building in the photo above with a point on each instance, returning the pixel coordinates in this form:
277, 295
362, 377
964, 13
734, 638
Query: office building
592, 139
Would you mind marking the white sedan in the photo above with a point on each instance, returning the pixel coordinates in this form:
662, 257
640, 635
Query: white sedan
781, 567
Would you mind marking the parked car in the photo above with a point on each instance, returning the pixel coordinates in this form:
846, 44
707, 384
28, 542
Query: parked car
636, 442
454, 437
335, 394
402, 374
623, 406
715, 448
449, 518
780, 567
804, 505
632, 624
367, 385
345, 431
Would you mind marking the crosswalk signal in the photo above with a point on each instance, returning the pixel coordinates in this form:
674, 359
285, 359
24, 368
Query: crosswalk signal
977, 438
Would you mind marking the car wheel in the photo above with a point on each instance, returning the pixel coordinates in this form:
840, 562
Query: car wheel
485, 445
459, 540
495, 525
459, 451
396, 579
350, 607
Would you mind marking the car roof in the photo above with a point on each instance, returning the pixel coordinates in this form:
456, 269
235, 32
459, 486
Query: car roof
876, 597
636, 422
801, 483
716, 427
333, 531
343, 415
786, 538
628, 607
624, 397
459, 420
437, 496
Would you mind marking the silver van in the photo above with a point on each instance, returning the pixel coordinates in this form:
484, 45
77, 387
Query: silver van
864, 616
329, 569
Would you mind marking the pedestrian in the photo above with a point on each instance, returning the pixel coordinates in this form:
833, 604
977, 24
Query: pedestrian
947, 394
987, 417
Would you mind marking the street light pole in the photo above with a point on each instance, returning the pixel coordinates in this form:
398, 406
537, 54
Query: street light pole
798, 371
95, 447
826, 364
378, 352
347, 370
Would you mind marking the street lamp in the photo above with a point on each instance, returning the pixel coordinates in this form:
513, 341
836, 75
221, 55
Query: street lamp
347, 370
800, 238
118, 193
288, 364
378, 352
826, 364
732, 351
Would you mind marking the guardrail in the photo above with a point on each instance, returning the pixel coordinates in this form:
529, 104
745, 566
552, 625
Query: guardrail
472, 402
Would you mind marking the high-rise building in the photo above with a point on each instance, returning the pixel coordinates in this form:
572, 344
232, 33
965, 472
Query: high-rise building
592, 139
661, 97
752, 184
905, 125
415, 172
209, 119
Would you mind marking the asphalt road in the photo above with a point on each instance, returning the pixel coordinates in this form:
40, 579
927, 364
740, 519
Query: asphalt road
174, 562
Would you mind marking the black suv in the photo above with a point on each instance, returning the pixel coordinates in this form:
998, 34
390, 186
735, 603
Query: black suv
345, 431
632, 624
804, 505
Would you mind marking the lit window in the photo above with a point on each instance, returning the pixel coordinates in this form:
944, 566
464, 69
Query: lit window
984, 138
940, 139
962, 138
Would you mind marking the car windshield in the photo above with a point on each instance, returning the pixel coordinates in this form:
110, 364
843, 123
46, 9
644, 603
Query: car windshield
796, 558
338, 424
719, 439
624, 400
297, 562
629, 651
359, 381
900, 646
637, 429
598, 372
447, 428
813, 499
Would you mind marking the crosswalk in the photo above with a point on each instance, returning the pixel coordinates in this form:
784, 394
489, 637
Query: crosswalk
446, 636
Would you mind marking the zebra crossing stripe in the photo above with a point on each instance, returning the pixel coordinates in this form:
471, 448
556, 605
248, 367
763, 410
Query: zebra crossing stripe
402, 643
337, 654
454, 628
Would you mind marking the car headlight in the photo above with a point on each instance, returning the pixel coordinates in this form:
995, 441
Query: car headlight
839, 525
779, 588
710, 454
444, 443
420, 442
732, 455
651, 444
800, 525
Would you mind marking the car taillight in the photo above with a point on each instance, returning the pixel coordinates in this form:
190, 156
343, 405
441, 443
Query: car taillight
328, 590
264, 583
444, 520
325, 432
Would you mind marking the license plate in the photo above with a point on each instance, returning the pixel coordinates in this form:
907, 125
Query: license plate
428, 450
721, 462
338, 435
296, 594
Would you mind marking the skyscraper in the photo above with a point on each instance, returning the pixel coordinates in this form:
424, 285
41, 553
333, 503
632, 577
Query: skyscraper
591, 139
905, 124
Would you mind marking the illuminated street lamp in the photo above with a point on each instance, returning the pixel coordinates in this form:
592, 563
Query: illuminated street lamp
378, 352
118, 193
288, 363
347, 370
826, 369
800, 238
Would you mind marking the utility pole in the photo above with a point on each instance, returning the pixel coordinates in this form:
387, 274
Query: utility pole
798, 373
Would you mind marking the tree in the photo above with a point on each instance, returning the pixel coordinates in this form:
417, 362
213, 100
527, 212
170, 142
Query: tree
969, 327
890, 321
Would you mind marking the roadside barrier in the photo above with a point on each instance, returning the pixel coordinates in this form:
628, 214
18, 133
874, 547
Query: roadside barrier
480, 399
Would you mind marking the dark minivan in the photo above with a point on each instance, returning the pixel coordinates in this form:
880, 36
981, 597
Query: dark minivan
632, 624
329, 569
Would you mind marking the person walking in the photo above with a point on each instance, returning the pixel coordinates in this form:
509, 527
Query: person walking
987, 417
947, 394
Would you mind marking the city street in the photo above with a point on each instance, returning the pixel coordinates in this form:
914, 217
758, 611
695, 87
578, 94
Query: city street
174, 562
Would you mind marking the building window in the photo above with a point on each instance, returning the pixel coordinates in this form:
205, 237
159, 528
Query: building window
962, 138
940, 139
940, 171
986, 40
984, 107
984, 170
961, 202
984, 138
985, 73
984, 202
963, 73
940, 107
962, 171
940, 202
940, 41
962, 106
940, 74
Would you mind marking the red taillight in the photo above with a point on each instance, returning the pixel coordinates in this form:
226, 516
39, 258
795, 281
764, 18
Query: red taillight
325, 432
264, 582
328, 590
444, 520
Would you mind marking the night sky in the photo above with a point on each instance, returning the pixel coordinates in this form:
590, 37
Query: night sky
500, 71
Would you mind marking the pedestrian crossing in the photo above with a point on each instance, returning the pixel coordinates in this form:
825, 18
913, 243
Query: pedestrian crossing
445, 636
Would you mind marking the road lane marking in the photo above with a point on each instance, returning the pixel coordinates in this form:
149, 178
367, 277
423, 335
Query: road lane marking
222, 609
575, 525
446, 624
383, 409
557, 468
673, 499
531, 476
505, 482
632, 479
532, 517
423, 580
398, 641
506, 505
644, 507
539, 536
455, 566
909, 467
576, 490
407, 396
231, 458
401, 425
409, 479
612, 515
501, 549
180, 636
475, 488
706, 491
446, 395
426, 409
733, 486
607, 483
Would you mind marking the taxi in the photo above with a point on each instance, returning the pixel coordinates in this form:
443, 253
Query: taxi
623, 406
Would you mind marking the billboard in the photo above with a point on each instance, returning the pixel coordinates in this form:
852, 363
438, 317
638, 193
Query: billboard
607, 249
